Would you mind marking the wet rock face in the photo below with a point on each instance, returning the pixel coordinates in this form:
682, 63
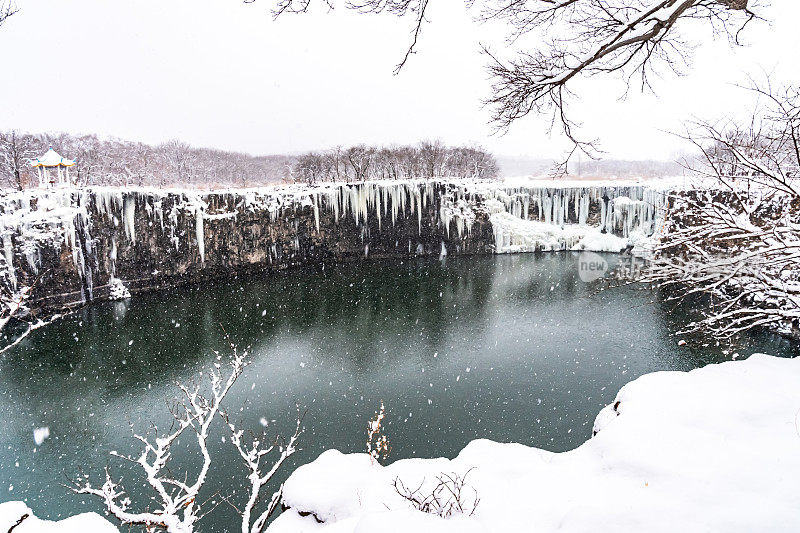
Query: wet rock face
153, 240
73, 246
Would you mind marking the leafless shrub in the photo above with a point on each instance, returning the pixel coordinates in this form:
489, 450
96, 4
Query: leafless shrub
377, 443
449, 496
175, 507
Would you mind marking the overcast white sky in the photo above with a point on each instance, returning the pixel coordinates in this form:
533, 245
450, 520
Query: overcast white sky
221, 73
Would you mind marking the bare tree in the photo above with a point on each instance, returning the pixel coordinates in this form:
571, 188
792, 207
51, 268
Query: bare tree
16, 150
176, 497
176, 158
573, 38
430, 159
360, 158
112, 161
433, 155
7, 8
737, 242
309, 168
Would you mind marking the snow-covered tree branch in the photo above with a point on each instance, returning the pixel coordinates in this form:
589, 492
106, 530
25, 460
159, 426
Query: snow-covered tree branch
570, 39
7, 8
259, 474
178, 508
737, 243
14, 310
590, 37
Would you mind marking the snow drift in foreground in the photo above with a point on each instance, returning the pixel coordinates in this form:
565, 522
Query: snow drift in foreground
714, 449
12, 513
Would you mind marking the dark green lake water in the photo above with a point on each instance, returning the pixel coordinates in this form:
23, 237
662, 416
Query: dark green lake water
511, 348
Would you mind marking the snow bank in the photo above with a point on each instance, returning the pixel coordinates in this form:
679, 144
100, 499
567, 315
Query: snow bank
12, 512
512, 235
714, 449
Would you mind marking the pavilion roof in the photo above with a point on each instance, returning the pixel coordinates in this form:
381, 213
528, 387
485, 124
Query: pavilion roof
51, 159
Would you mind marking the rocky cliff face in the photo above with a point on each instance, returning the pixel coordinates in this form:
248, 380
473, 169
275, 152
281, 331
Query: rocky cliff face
68, 247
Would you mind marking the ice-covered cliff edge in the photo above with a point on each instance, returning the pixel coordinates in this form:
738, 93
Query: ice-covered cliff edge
77, 245
714, 449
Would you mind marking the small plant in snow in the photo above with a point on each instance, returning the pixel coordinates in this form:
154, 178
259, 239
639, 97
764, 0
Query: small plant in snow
377, 443
175, 507
450, 495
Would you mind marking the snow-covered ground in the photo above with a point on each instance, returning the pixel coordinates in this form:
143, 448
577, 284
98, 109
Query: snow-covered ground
714, 449
19, 514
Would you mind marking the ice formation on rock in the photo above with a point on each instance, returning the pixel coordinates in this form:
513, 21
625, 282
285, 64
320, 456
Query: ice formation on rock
117, 290
524, 216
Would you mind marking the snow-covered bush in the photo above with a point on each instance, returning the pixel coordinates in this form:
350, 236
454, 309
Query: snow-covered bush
737, 244
175, 507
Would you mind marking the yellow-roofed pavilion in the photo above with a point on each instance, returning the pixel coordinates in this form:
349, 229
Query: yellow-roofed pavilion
52, 160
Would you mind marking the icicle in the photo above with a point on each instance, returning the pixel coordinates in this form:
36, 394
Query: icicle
112, 256
316, 211
200, 233
157, 201
8, 251
129, 216
419, 213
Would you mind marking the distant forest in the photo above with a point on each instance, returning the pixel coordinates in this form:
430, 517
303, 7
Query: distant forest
175, 163
428, 159
119, 162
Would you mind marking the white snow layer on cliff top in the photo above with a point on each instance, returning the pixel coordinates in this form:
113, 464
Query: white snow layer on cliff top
714, 449
12, 512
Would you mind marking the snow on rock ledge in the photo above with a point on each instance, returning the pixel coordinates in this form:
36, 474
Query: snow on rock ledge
12, 512
67, 247
714, 449
117, 290
513, 235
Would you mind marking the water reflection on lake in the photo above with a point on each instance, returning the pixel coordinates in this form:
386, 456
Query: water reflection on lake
511, 348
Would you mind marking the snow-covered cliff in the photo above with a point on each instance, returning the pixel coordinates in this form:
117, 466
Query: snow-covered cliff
69, 246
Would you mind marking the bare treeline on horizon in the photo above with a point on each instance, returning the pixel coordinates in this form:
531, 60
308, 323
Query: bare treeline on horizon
428, 159
118, 162
127, 163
